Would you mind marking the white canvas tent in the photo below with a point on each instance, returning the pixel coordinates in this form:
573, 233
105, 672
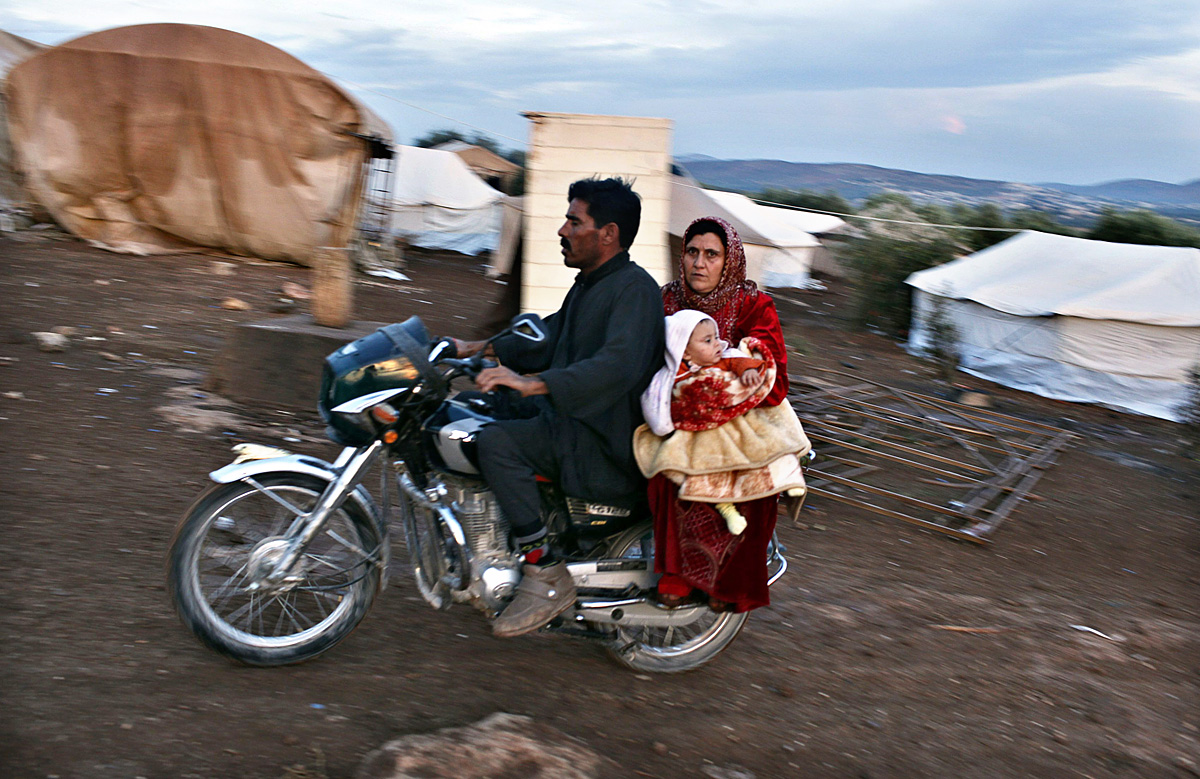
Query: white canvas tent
1072, 319
440, 203
779, 242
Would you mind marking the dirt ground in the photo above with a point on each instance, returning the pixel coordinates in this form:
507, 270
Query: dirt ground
843, 676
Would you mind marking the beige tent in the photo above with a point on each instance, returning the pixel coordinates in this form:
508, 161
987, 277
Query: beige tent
157, 137
489, 166
13, 49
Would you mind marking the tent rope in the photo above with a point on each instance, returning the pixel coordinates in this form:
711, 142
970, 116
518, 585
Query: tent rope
426, 110
872, 218
693, 186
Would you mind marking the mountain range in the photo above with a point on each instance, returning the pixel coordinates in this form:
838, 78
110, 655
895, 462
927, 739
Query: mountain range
1072, 204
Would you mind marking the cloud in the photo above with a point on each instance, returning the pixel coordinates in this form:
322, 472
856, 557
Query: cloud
1075, 131
952, 124
890, 82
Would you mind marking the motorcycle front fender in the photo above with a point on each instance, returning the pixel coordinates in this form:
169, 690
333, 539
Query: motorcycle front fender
318, 468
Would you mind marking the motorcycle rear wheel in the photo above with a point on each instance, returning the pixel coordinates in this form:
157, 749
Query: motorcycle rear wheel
673, 649
233, 528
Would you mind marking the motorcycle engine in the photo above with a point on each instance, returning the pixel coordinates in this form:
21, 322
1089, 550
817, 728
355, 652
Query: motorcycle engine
495, 569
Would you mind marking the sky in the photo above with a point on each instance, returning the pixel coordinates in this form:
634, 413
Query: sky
1070, 91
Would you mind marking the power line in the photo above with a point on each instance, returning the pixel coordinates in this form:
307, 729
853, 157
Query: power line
883, 219
761, 202
426, 110
860, 216
694, 186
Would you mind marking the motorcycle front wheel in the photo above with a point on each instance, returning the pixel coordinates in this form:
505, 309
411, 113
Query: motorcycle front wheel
672, 649
232, 533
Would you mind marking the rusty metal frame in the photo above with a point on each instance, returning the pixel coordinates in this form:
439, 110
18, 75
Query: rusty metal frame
950, 468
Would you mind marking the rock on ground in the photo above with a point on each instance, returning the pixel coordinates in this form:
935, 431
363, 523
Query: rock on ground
500, 745
51, 342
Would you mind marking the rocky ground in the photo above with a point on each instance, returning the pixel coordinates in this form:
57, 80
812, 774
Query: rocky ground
850, 672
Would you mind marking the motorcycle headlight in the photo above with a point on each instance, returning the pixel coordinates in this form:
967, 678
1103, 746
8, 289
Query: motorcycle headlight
384, 414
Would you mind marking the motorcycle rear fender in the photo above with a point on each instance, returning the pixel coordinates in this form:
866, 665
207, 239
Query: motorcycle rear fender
317, 468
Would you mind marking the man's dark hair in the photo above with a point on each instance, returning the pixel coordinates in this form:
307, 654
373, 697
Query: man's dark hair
702, 227
608, 201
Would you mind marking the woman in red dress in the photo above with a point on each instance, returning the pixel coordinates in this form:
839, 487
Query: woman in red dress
693, 547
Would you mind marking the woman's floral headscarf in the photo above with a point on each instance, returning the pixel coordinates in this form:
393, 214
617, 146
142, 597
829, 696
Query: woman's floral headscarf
725, 300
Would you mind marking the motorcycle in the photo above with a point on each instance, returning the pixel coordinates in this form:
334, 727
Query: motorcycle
282, 557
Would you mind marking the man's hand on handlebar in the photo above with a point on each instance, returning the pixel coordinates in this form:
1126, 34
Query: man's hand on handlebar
499, 376
471, 348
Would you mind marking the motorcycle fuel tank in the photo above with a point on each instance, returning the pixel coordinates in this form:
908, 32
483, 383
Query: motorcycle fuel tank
450, 437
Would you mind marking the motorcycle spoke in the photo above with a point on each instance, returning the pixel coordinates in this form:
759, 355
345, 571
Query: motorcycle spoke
243, 526
628, 647
241, 540
349, 545
258, 613
316, 596
277, 528
253, 610
273, 495
333, 558
236, 616
279, 619
294, 615
227, 589
224, 555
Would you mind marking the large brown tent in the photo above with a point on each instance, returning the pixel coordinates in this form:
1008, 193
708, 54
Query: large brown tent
13, 49
161, 136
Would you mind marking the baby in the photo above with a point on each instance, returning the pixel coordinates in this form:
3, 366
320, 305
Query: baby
699, 434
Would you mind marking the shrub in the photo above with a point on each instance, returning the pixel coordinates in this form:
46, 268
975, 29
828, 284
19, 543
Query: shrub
805, 198
1144, 227
881, 264
943, 349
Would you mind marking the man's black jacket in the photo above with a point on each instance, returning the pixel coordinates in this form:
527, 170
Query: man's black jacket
602, 348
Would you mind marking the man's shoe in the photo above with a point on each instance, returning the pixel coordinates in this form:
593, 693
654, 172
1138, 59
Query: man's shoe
543, 594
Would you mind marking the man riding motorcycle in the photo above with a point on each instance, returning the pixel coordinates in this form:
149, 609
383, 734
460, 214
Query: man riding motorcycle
578, 390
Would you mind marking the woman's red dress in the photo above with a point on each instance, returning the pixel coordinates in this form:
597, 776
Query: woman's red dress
691, 540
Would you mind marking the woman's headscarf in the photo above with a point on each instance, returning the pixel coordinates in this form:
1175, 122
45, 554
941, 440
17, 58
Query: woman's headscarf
724, 301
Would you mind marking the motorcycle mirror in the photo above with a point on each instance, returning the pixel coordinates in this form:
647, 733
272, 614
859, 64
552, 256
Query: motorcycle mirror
529, 326
441, 348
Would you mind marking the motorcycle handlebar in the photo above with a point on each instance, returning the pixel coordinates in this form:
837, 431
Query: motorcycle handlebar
471, 366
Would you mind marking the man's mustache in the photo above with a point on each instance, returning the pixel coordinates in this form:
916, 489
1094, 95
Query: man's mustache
565, 243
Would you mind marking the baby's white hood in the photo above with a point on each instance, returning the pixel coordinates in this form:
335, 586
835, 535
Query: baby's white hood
680, 326
656, 400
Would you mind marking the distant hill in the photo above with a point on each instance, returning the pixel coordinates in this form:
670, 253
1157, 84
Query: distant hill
1138, 191
1071, 204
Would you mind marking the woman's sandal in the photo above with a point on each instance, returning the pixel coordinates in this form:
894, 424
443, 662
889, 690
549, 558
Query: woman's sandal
670, 600
674, 600
717, 606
